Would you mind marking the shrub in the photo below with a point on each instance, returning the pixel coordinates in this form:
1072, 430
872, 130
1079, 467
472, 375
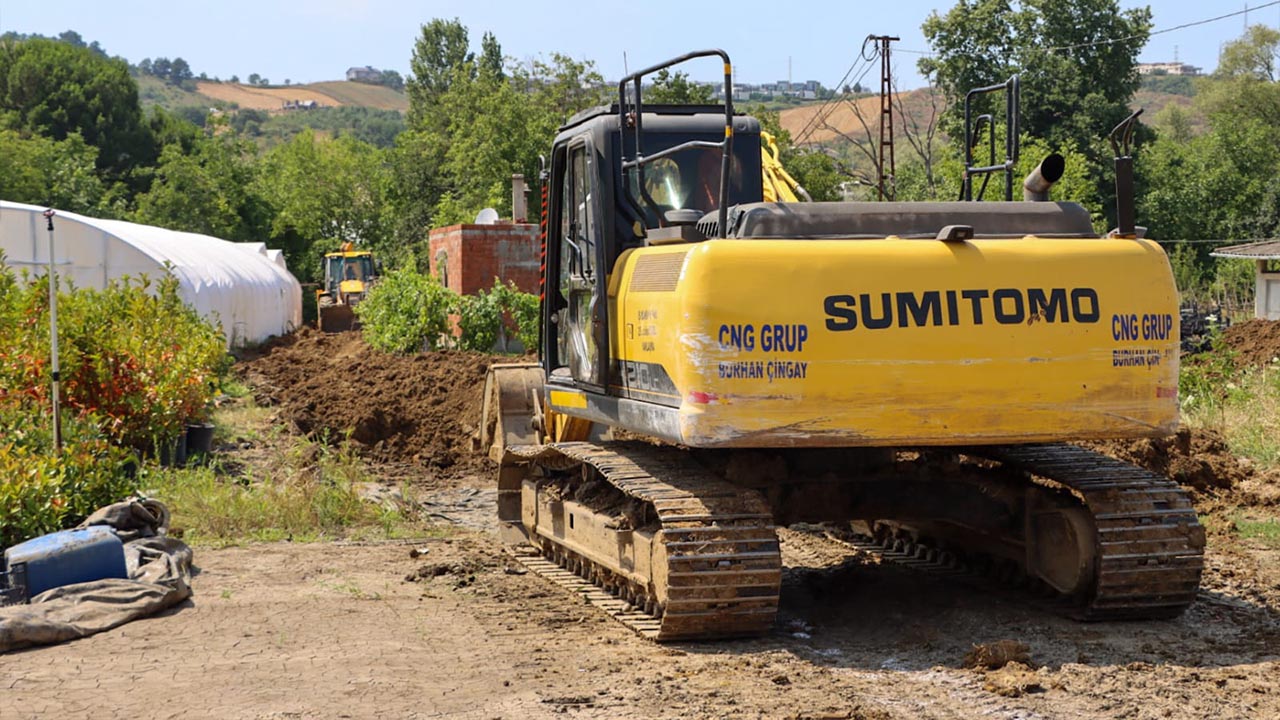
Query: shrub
137, 365
406, 312
132, 355
409, 311
522, 309
479, 318
41, 491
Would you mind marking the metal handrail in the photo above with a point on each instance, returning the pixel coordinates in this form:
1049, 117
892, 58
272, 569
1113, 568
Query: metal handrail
640, 159
1013, 118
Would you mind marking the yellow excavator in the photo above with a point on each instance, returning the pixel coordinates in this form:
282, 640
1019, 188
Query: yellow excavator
715, 364
348, 275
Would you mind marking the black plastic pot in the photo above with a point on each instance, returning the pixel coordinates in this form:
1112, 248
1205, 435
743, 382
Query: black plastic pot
199, 440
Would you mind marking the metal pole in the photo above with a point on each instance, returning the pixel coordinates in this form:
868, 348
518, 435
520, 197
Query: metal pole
53, 335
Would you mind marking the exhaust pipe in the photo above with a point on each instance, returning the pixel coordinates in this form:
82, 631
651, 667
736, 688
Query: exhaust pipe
1036, 187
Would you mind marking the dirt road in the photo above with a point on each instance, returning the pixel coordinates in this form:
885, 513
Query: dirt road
336, 631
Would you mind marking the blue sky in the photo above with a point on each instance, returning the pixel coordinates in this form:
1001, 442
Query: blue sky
315, 40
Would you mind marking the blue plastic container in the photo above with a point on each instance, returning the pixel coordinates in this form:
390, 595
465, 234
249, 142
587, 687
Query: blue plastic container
64, 558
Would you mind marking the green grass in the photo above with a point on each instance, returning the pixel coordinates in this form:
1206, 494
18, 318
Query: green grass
284, 488
154, 91
1265, 531
1242, 405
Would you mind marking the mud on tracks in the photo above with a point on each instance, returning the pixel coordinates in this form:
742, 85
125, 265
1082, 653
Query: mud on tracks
397, 408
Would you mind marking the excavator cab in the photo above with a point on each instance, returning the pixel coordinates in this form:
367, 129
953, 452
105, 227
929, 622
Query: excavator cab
624, 176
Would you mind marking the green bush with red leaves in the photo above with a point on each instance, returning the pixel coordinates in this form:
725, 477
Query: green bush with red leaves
136, 364
41, 491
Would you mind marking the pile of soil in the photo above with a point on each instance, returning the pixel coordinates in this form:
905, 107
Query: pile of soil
1199, 459
1256, 342
398, 408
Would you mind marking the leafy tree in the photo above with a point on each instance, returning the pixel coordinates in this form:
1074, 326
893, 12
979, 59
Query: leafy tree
1073, 86
1253, 55
391, 79
499, 127
173, 128
323, 193
54, 173
675, 89
254, 78
162, 68
440, 51
491, 57
194, 114
179, 71
1244, 84
71, 37
55, 89
234, 79
209, 189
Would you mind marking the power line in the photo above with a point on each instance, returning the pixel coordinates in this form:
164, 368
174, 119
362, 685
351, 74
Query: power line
818, 117
1127, 38
1166, 30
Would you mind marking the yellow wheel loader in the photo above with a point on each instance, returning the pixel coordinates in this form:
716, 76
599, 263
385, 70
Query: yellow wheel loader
913, 372
348, 275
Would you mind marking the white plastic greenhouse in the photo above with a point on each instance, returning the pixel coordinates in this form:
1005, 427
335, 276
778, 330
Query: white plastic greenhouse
244, 287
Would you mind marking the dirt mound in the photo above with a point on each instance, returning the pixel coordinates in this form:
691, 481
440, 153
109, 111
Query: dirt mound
1199, 459
1256, 342
418, 408
996, 655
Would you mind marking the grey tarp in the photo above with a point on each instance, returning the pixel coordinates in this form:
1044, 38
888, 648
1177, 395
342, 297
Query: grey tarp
160, 576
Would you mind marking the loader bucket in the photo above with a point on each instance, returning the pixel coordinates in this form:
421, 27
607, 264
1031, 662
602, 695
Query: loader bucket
337, 318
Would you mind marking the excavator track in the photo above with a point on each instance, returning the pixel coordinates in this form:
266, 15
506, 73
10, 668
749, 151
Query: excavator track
1149, 543
714, 566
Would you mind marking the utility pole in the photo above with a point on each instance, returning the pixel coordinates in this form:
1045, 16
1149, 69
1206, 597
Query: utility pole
886, 117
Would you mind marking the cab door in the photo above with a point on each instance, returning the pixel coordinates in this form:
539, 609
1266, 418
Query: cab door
578, 302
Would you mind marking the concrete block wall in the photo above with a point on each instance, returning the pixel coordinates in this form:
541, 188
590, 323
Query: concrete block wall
471, 256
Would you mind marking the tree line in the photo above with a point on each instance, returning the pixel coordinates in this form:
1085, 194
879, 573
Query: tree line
73, 135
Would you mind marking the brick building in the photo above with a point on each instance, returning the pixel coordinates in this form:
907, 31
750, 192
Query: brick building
468, 257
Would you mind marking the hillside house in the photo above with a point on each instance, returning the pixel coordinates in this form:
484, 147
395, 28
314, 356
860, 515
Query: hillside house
1167, 68
367, 73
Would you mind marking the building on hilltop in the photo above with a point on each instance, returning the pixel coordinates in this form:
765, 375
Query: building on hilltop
1168, 68
368, 73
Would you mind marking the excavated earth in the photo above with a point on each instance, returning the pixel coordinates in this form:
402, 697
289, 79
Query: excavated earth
415, 409
454, 628
1256, 341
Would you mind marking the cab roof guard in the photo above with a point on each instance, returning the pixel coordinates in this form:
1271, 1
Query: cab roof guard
632, 115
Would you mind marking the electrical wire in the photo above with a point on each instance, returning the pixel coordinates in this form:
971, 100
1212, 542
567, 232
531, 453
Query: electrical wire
1127, 38
819, 116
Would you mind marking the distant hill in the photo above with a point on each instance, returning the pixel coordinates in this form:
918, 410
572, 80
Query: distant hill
362, 94
820, 123
271, 98
825, 122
